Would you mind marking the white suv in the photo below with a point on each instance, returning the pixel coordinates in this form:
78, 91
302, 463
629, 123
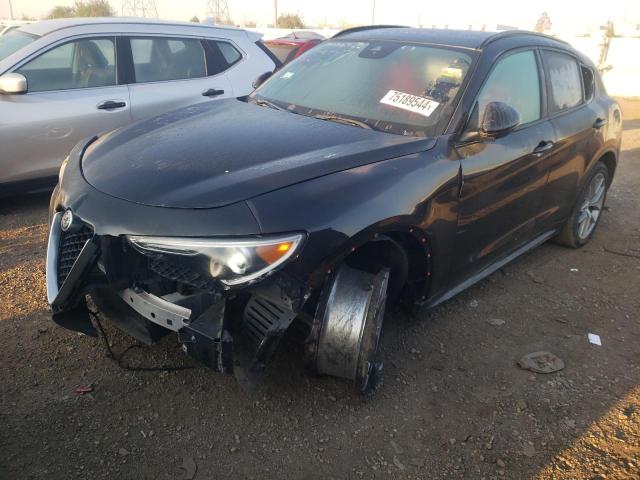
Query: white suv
63, 80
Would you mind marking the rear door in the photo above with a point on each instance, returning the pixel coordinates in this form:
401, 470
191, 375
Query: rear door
578, 121
72, 93
503, 178
170, 72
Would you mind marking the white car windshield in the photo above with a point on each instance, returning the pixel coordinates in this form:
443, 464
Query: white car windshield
13, 41
396, 87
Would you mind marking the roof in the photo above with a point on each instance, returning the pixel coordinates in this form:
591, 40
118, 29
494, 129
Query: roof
47, 26
473, 39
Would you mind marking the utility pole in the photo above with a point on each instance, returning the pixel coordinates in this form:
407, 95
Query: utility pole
607, 34
275, 13
373, 13
11, 10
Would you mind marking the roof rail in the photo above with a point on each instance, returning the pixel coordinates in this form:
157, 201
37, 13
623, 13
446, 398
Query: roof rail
134, 21
513, 33
364, 28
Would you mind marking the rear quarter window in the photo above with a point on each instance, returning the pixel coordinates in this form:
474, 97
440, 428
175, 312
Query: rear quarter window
221, 56
229, 52
588, 82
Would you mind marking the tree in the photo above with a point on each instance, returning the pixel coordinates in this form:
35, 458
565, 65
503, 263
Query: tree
195, 19
93, 8
543, 24
83, 8
290, 20
61, 11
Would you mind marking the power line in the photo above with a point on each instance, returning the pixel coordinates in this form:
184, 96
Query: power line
139, 8
219, 11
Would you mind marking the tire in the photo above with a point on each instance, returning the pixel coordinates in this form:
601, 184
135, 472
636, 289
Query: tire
350, 316
586, 213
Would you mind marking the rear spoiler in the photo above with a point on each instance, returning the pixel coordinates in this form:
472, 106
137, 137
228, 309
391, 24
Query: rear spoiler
254, 36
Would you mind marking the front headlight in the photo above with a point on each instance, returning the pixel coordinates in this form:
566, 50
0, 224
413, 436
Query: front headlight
231, 261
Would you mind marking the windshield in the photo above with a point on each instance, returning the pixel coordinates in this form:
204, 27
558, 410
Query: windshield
395, 87
13, 41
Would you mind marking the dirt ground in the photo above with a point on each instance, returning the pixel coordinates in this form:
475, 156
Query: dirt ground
454, 403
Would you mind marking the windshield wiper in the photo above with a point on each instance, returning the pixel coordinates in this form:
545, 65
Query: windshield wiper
267, 103
343, 120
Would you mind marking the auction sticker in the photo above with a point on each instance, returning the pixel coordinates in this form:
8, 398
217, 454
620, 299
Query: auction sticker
413, 103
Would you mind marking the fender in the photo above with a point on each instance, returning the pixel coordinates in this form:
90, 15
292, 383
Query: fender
606, 149
347, 209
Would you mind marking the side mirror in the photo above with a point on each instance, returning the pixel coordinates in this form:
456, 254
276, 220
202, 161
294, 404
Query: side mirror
498, 119
13, 83
261, 79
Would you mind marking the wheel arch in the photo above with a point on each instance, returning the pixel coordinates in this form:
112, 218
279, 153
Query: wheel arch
610, 160
391, 247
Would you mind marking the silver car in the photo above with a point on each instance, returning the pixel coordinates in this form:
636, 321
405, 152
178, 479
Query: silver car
64, 80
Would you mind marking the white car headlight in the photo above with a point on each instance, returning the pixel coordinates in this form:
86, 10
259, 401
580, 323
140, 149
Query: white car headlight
231, 261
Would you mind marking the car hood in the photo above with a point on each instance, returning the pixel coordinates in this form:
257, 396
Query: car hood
221, 152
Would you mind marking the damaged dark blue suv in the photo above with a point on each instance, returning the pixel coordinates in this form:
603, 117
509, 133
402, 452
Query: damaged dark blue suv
384, 165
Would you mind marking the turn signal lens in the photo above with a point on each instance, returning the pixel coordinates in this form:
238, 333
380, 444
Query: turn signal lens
273, 253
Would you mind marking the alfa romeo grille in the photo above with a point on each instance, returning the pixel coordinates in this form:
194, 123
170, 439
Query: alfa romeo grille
71, 244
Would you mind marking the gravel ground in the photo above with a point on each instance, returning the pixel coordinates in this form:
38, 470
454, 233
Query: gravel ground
454, 403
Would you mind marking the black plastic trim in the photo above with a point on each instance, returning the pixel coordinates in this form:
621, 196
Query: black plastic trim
269, 54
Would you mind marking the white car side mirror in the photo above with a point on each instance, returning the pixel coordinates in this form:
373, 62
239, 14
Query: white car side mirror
13, 83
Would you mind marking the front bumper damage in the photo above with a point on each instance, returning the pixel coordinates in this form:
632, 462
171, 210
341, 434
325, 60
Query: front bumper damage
230, 331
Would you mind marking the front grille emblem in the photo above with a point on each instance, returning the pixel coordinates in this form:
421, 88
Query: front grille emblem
66, 221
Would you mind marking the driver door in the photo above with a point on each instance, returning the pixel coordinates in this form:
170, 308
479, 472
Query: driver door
503, 178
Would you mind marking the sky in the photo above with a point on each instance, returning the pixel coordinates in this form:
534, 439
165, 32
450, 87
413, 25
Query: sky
574, 15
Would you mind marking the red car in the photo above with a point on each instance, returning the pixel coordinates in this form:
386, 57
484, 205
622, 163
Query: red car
293, 45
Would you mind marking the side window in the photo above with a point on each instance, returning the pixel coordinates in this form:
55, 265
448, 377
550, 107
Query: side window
221, 56
587, 82
564, 81
162, 59
514, 81
86, 63
231, 55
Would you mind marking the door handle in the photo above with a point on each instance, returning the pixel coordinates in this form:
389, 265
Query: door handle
543, 146
212, 92
111, 105
599, 123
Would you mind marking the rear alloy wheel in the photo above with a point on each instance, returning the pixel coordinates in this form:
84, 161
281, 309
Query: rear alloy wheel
350, 317
583, 222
